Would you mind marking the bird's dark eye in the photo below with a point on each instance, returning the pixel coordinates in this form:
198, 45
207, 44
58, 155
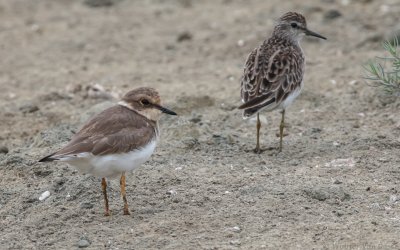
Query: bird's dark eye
294, 25
145, 102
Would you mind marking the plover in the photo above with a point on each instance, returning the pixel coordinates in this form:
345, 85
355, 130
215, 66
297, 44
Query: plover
117, 140
273, 72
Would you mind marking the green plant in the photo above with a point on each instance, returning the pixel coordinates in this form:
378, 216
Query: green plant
383, 76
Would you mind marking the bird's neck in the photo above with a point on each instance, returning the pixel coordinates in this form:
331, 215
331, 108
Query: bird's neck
285, 38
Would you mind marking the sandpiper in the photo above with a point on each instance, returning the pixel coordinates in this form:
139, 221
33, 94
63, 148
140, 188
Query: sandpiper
117, 140
273, 72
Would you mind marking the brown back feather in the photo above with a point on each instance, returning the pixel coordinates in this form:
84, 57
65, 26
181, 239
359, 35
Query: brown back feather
115, 130
271, 71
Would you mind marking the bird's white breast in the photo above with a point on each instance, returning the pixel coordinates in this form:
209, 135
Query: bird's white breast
111, 165
291, 97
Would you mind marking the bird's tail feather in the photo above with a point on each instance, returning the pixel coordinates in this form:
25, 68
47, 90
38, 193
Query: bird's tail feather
48, 158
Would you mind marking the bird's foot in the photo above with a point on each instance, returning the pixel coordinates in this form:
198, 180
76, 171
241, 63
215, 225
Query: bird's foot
283, 135
126, 212
257, 150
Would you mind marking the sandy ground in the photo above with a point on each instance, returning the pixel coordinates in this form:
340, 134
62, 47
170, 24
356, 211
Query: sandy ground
336, 185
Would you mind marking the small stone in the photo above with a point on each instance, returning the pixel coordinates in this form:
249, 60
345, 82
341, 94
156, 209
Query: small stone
44, 195
235, 242
73, 88
86, 205
337, 182
394, 198
171, 192
97, 91
83, 243
28, 108
332, 14
323, 193
316, 130
99, 3
3, 149
236, 229
184, 36
170, 47
318, 194
196, 119
59, 181
338, 213
190, 142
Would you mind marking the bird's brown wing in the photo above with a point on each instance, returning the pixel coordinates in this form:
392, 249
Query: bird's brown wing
111, 131
269, 77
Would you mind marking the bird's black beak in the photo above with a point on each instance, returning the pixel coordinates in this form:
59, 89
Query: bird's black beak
312, 33
165, 110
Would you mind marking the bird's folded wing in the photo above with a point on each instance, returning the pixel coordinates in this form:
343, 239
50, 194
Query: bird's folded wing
269, 77
111, 131
124, 141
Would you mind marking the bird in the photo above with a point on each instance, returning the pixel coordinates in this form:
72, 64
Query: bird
117, 140
273, 72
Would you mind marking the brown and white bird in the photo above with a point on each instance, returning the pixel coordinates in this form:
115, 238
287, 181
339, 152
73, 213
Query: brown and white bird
273, 72
117, 140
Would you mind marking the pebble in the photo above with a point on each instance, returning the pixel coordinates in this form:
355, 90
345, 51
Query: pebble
83, 243
171, 192
99, 3
97, 91
28, 108
332, 14
184, 36
236, 229
337, 182
323, 193
3, 149
394, 198
86, 205
44, 195
235, 242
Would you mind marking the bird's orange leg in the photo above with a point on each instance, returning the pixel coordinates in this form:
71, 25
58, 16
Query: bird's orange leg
123, 193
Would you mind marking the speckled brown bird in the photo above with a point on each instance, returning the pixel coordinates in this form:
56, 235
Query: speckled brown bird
117, 140
273, 72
